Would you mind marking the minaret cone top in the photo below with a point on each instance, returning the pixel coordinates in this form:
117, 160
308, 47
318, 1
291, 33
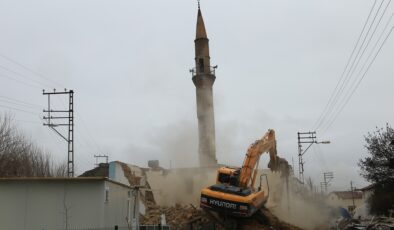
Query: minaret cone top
200, 30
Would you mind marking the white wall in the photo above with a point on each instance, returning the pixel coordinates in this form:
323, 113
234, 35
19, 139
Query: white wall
49, 204
335, 201
117, 174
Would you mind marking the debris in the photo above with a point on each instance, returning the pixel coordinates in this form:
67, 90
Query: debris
187, 217
175, 216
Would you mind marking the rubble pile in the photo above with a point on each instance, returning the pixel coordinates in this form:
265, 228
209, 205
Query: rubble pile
174, 216
184, 216
374, 223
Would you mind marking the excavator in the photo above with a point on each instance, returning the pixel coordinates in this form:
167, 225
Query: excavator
234, 193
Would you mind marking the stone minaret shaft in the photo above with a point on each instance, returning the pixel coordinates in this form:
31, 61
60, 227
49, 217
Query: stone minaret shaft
203, 79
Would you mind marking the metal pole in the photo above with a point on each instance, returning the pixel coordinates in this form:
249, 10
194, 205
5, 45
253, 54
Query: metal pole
351, 189
69, 138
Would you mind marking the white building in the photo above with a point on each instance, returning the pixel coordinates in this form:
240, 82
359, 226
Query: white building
345, 199
63, 203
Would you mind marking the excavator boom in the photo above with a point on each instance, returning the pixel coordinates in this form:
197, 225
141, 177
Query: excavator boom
249, 167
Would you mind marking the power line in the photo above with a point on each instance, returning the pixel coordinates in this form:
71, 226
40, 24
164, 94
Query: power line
24, 76
359, 82
22, 82
346, 97
18, 102
347, 77
21, 110
29, 69
369, 40
342, 95
89, 134
334, 106
90, 141
26, 121
321, 119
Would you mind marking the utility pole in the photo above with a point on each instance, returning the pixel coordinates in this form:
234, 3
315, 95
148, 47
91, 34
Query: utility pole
101, 156
57, 121
305, 138
327, 177
351, 189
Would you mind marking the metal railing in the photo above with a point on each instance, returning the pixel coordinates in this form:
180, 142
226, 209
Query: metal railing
211, 70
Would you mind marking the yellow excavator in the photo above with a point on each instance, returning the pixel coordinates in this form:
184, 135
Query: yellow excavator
234, 193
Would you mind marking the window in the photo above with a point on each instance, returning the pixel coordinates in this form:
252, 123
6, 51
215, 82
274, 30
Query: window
223, 178
201, 65
106, 194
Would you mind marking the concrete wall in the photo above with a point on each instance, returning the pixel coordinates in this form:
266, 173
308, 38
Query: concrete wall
50, 204
117, 174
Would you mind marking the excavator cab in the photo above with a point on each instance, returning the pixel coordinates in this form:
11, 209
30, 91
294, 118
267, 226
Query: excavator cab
229, 176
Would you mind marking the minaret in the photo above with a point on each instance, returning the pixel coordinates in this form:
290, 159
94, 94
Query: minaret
203, 79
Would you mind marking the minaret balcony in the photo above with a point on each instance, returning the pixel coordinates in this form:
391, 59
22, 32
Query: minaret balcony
211, 70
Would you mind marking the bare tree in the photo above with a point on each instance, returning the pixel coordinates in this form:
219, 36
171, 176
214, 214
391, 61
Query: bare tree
20, 157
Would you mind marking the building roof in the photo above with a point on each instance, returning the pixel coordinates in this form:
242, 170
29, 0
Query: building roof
100, 171
369, 187
348, 194
50, 179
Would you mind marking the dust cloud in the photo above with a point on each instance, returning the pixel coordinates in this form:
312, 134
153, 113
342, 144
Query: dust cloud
177, 145
297, 205
183, 181
180, 186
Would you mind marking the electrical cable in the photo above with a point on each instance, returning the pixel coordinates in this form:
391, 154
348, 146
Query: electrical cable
22, 82
24, 76
18, 102
347, 78
345, 82
370, 38
359, 82
29, 69
368, 58
319, 120
21, 110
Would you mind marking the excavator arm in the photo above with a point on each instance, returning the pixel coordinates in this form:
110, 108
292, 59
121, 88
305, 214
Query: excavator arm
249, 168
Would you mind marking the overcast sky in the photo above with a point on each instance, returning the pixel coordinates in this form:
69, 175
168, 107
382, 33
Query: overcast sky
128, 63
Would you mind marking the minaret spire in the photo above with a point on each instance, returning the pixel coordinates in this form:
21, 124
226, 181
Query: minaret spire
198, 2
200, 30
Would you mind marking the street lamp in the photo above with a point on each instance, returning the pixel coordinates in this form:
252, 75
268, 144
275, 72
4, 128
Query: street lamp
314, 142
324, 142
